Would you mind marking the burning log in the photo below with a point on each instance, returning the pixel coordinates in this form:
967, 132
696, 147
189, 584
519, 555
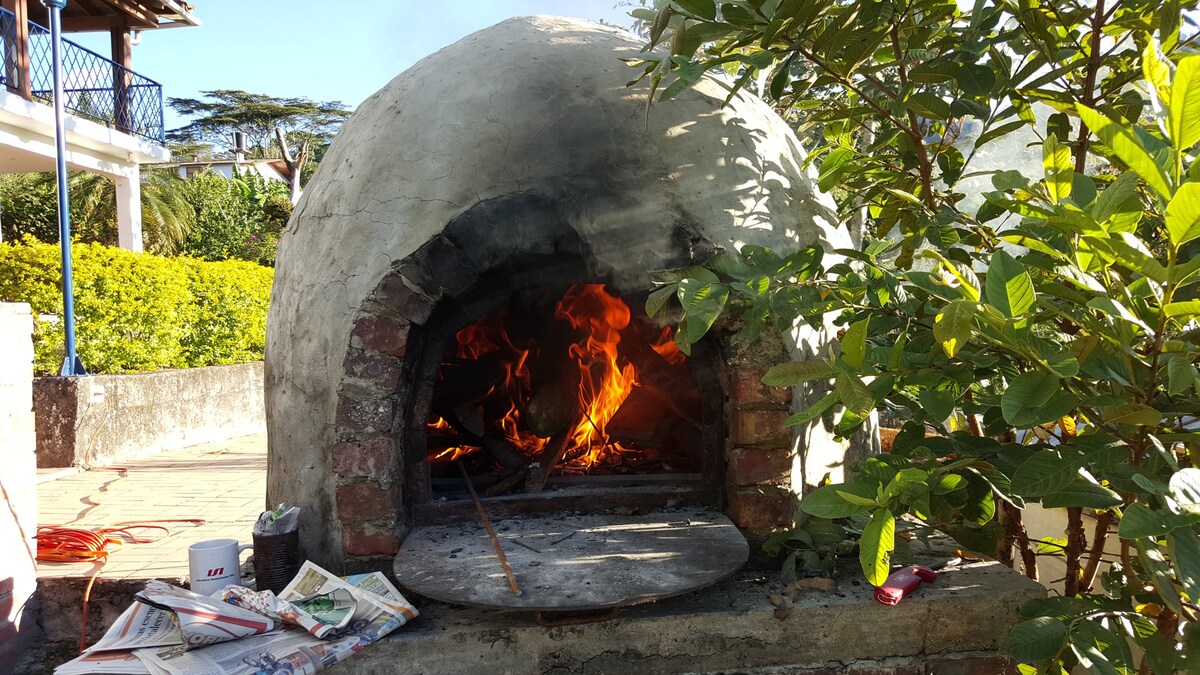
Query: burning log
503, 452
539, 471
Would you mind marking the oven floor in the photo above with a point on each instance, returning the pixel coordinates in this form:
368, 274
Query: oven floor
569, 563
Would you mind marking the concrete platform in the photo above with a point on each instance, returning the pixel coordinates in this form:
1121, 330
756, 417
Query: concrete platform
949, 627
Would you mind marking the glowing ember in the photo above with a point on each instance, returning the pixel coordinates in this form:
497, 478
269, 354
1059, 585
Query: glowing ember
605, 376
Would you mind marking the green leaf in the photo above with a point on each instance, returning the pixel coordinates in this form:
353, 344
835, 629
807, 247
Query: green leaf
938, 403
1023, 402
1127, 251
876, 545
952, 326
703, 302
976, 80
854, 394
796, 372
857, 499
1043, 473
833, 167
812, 412
1098, 649
1133, 413
1034, 640
1183, 212
825, 502
659, 298
1081, 492
1159, 570
854, 343
1139, 521
1128, 148
929, 105
1185, 104
1184, 488
1185, 308
1117, 198
1184, 546
1060, 171
944, 483
1009, 287
706, 9
1181, 375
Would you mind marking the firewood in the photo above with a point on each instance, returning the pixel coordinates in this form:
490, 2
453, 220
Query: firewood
503, 452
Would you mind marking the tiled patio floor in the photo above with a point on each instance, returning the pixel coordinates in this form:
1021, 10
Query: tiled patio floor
223, 483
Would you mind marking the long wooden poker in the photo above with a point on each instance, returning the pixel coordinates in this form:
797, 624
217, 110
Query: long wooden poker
487, 524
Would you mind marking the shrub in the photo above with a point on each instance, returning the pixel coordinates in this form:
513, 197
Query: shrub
236, 218
138, 312
231, 299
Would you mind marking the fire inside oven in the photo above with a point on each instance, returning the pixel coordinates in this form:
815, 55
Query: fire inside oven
562, 384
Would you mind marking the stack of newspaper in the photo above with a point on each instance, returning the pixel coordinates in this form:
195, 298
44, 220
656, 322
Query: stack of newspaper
318, 620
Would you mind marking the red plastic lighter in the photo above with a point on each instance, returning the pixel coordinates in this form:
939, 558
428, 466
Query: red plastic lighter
906, 580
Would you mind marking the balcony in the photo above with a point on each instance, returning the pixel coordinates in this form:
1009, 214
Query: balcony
95, 88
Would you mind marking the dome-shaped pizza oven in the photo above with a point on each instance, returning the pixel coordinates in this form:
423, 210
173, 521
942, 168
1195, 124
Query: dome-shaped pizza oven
462, 284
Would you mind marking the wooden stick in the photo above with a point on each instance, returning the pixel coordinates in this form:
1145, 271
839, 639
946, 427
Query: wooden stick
487, 524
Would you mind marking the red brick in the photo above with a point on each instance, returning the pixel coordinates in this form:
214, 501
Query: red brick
364, 501
763, 428
414, 306
371, 459
373, 414
380, 371
381, 334
752, 466
749, 389
368, 539
765, 507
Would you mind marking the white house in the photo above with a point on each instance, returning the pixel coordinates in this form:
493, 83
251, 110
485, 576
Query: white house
115, 115
274, 170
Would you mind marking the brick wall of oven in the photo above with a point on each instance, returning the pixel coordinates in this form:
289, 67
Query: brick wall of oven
369, 499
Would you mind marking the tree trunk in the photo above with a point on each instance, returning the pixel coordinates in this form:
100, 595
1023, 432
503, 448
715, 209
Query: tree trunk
294, 164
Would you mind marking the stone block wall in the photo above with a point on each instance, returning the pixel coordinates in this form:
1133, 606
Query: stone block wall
18, 515
101, 419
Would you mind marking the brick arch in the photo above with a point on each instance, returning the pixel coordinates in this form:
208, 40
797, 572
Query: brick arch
498, 246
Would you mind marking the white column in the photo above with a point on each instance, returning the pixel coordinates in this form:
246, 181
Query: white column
129, 210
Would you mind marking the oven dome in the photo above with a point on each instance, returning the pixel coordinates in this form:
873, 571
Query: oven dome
531, 116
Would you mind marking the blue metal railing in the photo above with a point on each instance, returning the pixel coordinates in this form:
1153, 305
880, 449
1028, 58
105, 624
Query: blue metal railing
94, 88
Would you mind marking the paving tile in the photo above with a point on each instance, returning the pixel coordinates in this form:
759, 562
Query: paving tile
223, 483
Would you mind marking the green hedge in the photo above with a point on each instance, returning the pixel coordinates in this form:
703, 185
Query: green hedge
136, 311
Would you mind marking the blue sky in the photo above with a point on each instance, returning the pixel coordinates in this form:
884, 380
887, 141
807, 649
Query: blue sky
345, 54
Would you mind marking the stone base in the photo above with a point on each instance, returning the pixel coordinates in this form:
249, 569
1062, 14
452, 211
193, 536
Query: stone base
950, 627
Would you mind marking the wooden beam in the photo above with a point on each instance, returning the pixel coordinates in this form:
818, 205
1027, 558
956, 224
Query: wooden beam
85, 24
16, 54
122, 56
138, 16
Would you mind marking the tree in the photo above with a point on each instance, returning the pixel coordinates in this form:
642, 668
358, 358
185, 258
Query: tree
1047, 342
268, 123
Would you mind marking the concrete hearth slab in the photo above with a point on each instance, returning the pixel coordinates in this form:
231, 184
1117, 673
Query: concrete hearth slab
951, 626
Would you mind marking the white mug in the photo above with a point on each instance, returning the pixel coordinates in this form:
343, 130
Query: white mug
213, 564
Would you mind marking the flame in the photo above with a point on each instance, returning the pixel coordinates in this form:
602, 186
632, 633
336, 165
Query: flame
667, 348
604, 383
606, 378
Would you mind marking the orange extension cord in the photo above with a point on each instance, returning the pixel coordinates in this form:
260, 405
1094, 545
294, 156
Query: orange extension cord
61, 543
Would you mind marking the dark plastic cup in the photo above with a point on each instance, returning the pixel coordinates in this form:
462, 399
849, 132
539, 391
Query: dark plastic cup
276, 560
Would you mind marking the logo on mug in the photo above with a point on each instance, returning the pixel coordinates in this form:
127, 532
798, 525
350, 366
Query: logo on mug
216, 572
